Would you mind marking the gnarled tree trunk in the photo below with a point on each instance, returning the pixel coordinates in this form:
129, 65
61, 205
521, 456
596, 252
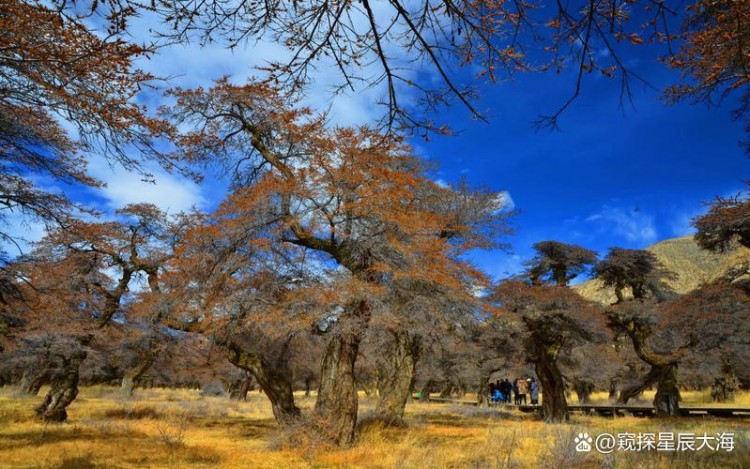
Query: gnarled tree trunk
130, 380
396, 385
663, 372
274, 378
337, 403
552, 383
63, 388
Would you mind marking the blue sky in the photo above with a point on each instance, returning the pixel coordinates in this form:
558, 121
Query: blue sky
611, 176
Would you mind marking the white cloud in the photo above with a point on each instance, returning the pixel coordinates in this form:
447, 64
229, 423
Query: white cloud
169, 192
633, 225
504, 202
191, 65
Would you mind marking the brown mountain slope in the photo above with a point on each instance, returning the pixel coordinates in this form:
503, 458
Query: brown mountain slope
692, 265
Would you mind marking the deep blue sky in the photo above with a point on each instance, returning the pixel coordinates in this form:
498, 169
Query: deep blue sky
612, 175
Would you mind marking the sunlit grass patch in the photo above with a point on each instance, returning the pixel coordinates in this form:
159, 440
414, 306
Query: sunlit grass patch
180, 428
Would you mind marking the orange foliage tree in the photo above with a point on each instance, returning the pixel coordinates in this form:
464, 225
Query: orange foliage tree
354, 203
77, 281
66, 93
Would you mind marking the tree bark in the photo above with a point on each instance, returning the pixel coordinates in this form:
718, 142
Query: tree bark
130, 380
398, 380
63, 389
273, 378
667, 398
337, 403
552, 383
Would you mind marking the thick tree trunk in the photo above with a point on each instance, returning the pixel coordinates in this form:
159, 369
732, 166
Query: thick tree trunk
337, 403
63, 389
398, 380
130, 380
552, 383
667, 398
273, 379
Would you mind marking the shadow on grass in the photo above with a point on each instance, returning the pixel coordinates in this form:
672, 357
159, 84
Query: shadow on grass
467, 417
79, 462
58, 433
241, 427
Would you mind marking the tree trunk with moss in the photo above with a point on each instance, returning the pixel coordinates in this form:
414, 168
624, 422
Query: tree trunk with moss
398, 379
63, 388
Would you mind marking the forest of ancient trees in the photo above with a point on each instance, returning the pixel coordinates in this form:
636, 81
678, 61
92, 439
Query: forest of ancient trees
335, 263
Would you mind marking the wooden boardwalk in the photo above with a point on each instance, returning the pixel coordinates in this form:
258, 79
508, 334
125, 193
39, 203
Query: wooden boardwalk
615, 410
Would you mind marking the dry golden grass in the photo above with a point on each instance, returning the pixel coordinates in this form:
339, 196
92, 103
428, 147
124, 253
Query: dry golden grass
179, 428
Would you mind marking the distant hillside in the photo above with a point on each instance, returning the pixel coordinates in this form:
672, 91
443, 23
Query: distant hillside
692, 265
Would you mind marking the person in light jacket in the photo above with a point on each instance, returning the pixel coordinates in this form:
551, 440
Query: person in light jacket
534, 391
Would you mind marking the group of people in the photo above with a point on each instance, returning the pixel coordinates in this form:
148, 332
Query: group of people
504, 391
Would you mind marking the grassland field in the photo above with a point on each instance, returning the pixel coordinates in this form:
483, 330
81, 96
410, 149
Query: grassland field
183, 429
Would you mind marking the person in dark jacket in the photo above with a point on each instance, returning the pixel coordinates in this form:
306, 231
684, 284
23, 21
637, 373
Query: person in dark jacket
507, 390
